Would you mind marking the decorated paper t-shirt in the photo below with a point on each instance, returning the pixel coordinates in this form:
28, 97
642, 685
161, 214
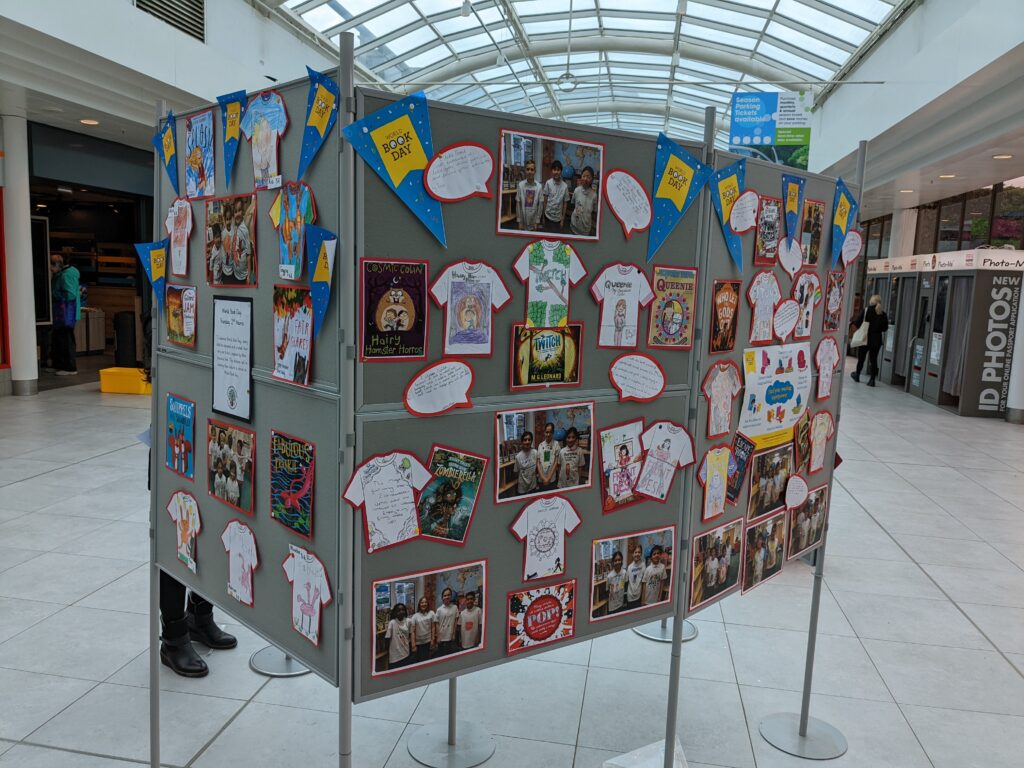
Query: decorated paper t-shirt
763, 294
310, 591
543, 525
714, 473
469, 291
550, 268
822, 428
264, 123
669, 447
721, 385
240, 545
184, 511
179, 226
386, 487
291, 211
806, 293
826, 358
620, 289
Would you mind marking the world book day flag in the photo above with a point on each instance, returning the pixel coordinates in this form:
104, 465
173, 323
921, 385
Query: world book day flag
320, 247
845, 210
232, 110
395, 142
165, 140
793, 200
321, 114
726, 187
678, 179
154, 260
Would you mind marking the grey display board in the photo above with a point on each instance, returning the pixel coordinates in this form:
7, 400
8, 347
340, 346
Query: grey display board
313, 413
386, 229
765, 179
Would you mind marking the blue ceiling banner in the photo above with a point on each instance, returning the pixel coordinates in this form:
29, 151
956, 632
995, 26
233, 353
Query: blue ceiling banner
726, 187
792, 204
154, 261
396, 143
165, 141
321, 245
844, 208
678, 179
232, 110
321, 114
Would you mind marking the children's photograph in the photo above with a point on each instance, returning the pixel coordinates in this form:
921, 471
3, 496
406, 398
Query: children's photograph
230, 453
429, 616
764, 550
631, 572
716, 563
231, 242
769, 473
543, 450
807, 522
549, 185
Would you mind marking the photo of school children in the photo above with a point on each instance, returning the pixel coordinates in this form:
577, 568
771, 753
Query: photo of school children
764, 547
631, 572
543, 450
230, 452
426, 617
550, 185
231, 241
769, 472
716, 563
807, 522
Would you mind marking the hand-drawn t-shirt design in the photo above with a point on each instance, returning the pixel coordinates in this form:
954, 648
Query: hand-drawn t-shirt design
291, 211
385, 486
826, 358
240, 545
550, 268
179, 226
822, 428
763, 295
543, 525
721, 386
669, 447
714, 473
184, 511
806, 293
834, 301
621, 290
310, 591
469, 291
264, 123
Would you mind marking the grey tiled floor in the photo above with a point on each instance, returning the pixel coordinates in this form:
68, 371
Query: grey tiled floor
920, 654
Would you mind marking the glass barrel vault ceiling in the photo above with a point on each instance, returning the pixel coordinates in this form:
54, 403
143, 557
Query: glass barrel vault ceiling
641, 65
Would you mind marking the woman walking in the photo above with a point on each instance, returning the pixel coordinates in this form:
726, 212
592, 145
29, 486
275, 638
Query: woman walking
878, 324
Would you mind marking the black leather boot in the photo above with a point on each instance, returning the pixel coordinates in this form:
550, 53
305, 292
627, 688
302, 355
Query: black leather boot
872, 382
855, 376
202, 628
176, 651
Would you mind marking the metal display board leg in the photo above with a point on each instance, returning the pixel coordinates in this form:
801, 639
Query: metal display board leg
451, 744
273, 662
661, 631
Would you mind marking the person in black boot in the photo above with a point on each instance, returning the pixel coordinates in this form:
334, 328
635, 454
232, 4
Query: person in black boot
182, 625
878, 324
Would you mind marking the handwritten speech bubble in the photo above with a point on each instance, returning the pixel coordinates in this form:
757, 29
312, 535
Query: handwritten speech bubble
796, 492
637, 377
439, 388
786, 316
790, 256
743, 215
628, 200
459, 172
852, 244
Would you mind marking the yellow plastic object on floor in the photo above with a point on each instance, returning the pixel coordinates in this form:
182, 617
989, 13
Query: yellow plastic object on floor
124, 381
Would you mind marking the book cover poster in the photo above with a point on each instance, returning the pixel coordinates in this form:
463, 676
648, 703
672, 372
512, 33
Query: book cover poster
546, 357
541, 616
394, 303
671, 320
181, 436
445, 507
293, 334
200, 174
292, 475
181, 315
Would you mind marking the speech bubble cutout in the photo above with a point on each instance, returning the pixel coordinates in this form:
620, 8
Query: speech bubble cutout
796, 492
852, 244
628, 200
743, 216
637, 377
439, 388
790, 256
459, 172
786, 315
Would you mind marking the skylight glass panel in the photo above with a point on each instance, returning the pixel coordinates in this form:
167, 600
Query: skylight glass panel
534, 7
428, 57
637, 72
293, 3
704, 82
559, 59
872, 10
764, 4
322, 17
639, 58
494, 73
807, 43
392, 20
793, 61
560, 26
405, 43
710, 69
662, 6
456, 24
357, 7
642, 25
699, 32
723, 16
717, 98
430, 7
469, 43
827, 23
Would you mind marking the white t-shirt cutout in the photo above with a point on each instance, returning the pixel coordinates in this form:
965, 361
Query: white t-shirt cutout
826, 357
548, 282
822, 428
310, 591
386, 486
669, 447
721, 386
543, 525
184, 511
716, 468
240, 544
179, 226
763, 295
807, 293
458, 290
621, 290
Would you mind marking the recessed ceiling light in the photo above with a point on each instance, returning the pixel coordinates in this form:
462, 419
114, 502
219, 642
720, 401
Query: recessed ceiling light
1001, 157
947, 175
907, 191
65, 190
89, 121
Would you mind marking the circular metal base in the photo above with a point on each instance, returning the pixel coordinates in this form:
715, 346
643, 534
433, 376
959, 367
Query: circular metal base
822, 742
473, 745
272, 662
662, 633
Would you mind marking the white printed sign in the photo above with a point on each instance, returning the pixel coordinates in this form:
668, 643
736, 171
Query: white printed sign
628, 200
459, 172
637, 377
743, 216
778, 386
439, 388
232, 357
